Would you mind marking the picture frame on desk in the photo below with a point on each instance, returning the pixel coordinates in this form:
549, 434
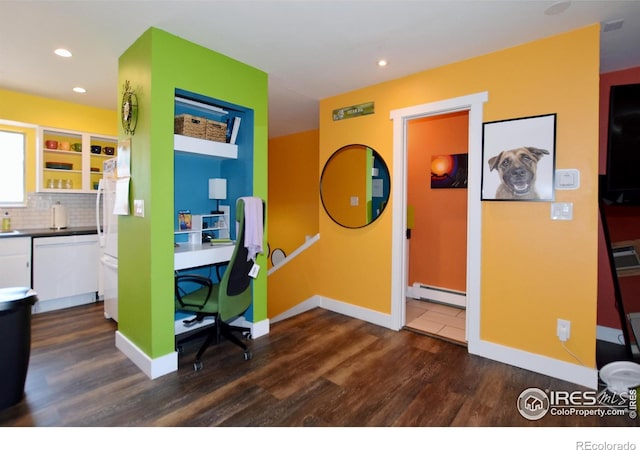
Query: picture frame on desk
184, 220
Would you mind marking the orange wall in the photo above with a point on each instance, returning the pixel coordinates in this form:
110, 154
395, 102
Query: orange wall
534, 270
438, 246
293, 190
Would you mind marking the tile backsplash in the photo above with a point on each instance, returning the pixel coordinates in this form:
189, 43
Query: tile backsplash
80, 207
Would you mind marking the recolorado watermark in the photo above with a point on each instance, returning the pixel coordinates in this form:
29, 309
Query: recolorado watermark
534, 404
590, 445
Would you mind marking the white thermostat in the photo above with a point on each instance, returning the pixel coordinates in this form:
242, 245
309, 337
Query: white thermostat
567, 179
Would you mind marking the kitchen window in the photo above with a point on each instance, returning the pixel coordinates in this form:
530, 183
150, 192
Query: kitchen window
12, 170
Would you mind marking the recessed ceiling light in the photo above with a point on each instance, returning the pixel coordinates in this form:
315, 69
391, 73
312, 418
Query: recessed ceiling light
557, 8
382, 62
62, 52
79, 90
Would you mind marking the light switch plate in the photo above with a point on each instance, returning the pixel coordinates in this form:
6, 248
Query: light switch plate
138, 208
562, 211
567, 179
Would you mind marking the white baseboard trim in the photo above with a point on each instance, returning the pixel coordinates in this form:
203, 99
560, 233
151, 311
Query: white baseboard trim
573, 373
436, 294
309, 304
62, 303
153, 368
357, 312
608, 334
258, 329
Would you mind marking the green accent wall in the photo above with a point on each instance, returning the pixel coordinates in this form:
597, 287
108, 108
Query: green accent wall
155, 65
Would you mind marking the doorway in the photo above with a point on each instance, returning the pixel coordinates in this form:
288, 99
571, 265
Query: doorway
474, 105
437, 161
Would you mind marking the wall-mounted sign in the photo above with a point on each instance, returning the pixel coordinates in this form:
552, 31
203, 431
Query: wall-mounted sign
353, 111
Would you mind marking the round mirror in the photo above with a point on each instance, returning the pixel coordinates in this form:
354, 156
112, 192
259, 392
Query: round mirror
354, 186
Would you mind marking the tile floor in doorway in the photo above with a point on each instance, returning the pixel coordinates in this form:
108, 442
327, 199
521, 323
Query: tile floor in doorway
436, 319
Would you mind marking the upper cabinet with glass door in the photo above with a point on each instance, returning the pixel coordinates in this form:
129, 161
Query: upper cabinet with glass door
72, 161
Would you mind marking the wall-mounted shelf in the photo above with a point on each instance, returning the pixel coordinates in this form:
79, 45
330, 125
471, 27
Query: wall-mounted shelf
204, 147
216, 225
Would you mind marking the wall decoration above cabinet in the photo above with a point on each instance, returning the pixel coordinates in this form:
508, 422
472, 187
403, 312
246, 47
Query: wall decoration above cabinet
72, 161
129, 109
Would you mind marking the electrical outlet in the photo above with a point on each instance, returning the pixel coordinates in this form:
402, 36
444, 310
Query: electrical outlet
564, 329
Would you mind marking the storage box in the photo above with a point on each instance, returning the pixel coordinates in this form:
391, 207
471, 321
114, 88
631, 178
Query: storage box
216, 131
188, 125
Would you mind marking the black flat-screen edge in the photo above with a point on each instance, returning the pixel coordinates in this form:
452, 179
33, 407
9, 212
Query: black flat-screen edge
623, 145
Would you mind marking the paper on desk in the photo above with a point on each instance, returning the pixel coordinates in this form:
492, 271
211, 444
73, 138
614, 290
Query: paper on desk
121, 203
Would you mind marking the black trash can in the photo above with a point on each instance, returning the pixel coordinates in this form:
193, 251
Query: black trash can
15, 342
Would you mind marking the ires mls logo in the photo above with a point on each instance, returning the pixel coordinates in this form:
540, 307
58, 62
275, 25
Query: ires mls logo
534, 403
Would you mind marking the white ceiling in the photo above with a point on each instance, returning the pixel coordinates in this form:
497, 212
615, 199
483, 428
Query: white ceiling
311, 49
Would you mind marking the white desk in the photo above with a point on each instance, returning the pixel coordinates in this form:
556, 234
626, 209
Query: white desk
188, 255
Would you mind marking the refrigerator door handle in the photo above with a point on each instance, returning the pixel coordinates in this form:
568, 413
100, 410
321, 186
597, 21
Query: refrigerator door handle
101, 238
110, 262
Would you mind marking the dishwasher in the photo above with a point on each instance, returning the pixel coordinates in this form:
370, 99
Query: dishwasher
65, 270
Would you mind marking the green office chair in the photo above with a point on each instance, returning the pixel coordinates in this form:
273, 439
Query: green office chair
224, 301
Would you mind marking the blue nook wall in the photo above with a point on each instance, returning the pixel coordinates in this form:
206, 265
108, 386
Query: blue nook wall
192, 171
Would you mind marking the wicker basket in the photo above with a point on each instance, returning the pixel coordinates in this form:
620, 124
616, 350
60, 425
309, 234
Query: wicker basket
188, 125
216, 131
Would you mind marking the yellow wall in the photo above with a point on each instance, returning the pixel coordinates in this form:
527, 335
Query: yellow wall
31, 109
534, 270
293, 190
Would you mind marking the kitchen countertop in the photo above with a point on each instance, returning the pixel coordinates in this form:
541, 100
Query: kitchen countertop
48, 232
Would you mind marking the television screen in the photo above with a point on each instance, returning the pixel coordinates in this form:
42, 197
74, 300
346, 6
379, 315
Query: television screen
623, 152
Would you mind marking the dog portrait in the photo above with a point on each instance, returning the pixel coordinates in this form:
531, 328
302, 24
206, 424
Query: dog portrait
519, 159
517, 169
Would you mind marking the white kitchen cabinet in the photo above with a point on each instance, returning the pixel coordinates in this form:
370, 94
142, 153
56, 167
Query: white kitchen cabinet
65, 271
15, 260
71, 169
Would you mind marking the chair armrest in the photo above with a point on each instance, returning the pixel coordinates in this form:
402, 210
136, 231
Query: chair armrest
194, 278
203, 281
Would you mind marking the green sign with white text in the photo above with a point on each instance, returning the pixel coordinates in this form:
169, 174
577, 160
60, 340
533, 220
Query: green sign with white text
353, 111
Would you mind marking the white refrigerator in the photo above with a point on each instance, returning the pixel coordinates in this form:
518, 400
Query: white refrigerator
107, 223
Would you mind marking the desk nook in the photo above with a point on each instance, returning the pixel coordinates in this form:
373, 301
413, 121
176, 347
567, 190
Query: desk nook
213, 158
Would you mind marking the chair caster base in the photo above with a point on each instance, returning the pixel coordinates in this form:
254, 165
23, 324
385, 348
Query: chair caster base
197, 365
247, 355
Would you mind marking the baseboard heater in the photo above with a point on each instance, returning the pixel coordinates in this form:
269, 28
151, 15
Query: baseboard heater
437, 294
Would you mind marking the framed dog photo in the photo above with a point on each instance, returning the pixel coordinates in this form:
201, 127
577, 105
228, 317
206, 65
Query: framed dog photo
518, 159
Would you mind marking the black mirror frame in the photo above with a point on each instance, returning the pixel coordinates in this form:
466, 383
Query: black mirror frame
384, 166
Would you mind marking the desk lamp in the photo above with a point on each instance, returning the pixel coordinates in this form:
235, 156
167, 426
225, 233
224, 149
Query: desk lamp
217, 192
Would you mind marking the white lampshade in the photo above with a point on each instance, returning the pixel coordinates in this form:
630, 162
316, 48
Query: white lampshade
217, 188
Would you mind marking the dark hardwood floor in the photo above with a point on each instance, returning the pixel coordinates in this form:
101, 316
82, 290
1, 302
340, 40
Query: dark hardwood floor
316, 369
